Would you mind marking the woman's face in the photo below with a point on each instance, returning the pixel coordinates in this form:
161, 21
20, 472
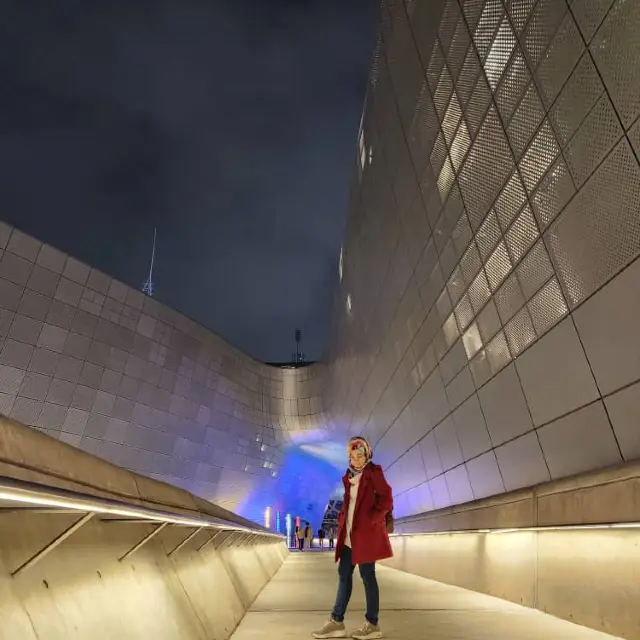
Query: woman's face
357, 458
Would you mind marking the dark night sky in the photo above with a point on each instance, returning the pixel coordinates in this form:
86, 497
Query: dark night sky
230, 125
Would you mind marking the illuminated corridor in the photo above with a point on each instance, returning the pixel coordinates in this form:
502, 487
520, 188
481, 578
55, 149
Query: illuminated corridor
484, 340
298, 598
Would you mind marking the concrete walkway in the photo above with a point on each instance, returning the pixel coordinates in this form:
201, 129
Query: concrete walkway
300, 596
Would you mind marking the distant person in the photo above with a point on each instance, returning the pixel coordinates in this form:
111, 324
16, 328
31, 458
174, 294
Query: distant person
332, 536
308, 534
362, 539
300, 534
321, 538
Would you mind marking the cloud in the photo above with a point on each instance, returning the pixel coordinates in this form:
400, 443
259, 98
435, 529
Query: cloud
230, 126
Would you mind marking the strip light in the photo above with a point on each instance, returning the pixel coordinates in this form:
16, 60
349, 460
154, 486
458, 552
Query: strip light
565, 527
29, 493
33, 494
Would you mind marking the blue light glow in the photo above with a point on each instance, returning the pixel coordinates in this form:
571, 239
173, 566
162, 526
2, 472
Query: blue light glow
310, 471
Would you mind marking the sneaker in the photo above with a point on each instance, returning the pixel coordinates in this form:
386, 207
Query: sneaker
368, 631
332, 629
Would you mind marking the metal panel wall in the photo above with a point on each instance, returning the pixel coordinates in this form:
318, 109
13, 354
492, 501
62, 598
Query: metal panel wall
100, 366
491, 263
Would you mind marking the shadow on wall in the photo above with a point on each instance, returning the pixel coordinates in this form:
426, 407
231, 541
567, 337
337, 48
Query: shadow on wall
248, 578
82, 590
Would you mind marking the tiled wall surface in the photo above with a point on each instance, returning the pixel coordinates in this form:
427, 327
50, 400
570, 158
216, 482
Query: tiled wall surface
104, 368
486, 328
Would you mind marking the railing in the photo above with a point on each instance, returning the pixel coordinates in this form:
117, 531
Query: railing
29, 497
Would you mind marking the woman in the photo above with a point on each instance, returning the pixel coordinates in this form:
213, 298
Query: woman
362, 539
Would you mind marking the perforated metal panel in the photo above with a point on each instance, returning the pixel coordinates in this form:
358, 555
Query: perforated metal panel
456, 286
451, 119
464, 312
451, 16
525, 121
479, 291
445, 180
517, 131
498, 353
488, 235
616, 50
442, 94
521, 235
498, 266
576, 99
472, 341
424, 130
589, 14
634, 137
543, 23
466, 82
534, 270
450, 330
509, 298
594, 139
462, 235
599, 231
471, 263
488, 321
436, 65
438, 154
480, 368
448, 259
519, 11
472, 10
460, 146
458, 50
539, 156
451, 213
499, 53
478, 105
485, 170
520, 332
514, 83
553, 193
406, 70
559, 60
485, 32
547, 307
510, 200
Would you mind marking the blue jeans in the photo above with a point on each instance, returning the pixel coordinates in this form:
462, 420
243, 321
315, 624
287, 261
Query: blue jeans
345, 585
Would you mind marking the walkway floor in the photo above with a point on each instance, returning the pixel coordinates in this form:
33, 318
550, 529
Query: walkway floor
299, 598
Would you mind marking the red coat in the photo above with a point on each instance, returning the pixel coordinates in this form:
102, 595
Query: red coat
369, 538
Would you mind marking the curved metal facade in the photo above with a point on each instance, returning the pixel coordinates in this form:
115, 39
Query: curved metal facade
103, 367
486, 326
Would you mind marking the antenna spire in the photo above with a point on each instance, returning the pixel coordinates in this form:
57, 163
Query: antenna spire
147, 287
299, 357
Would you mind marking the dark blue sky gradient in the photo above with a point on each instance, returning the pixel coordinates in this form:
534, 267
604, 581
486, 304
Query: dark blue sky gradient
229, 125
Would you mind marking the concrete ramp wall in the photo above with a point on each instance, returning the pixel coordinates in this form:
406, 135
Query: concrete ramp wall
82, 590
570, 548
